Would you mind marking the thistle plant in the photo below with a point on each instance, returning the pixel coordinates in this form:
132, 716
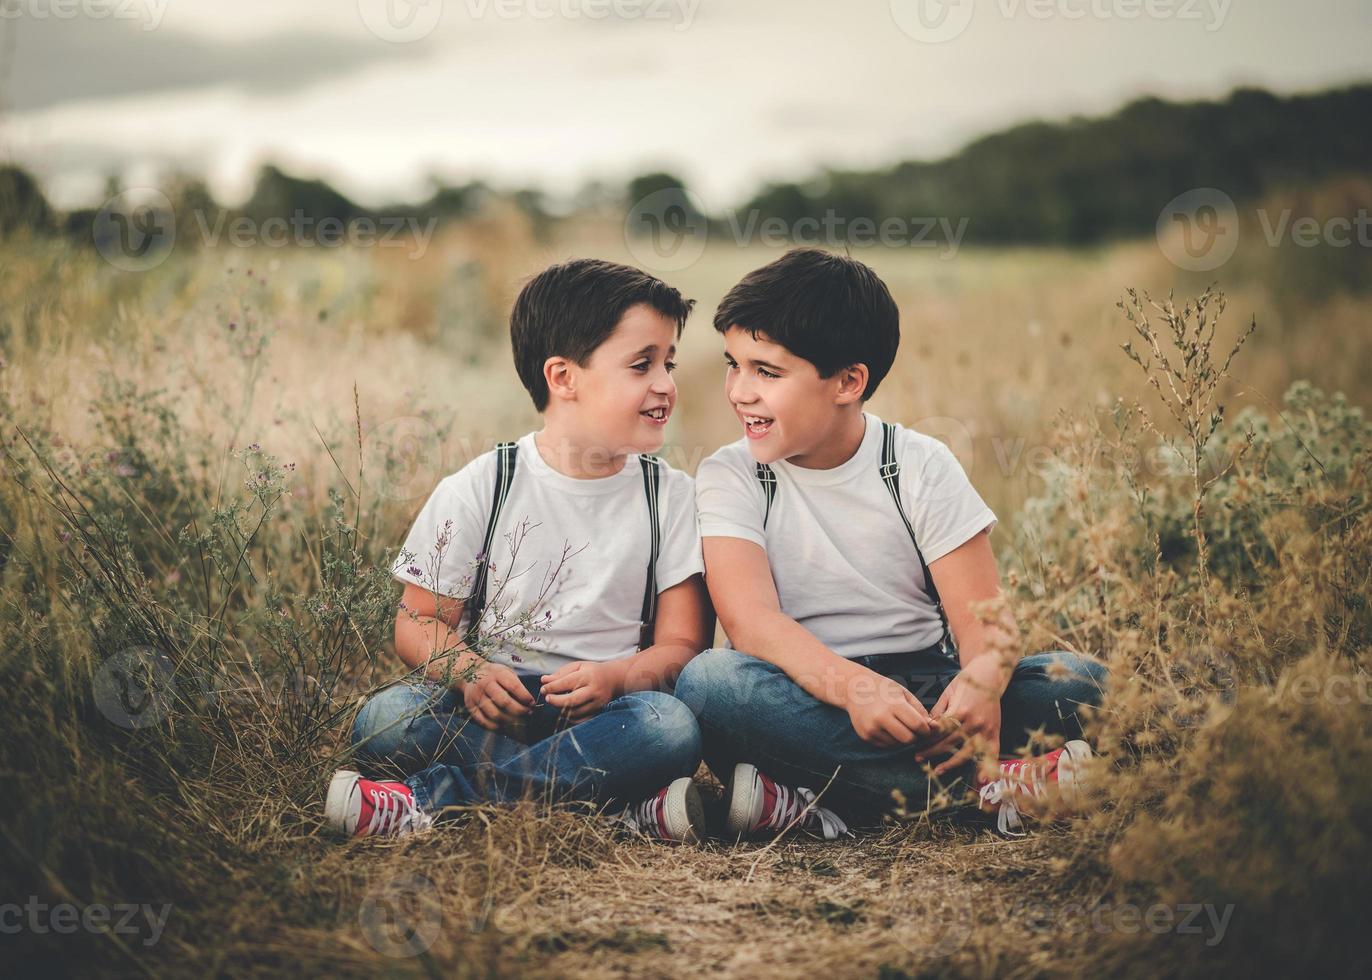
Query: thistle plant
1180, 353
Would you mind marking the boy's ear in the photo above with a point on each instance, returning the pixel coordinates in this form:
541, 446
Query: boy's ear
560, 375
852, 382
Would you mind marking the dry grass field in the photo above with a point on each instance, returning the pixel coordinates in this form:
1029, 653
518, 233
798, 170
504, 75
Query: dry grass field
214, 460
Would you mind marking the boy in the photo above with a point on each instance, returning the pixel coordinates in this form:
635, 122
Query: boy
573, 710
845, 556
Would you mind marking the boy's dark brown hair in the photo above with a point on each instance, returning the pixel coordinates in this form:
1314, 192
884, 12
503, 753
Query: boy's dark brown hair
568, 310
830, 309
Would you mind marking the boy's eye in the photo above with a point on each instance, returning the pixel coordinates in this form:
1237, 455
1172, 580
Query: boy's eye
671, 366
642, 366
767, 374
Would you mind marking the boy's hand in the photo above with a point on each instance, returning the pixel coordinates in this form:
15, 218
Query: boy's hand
495, 697
884, 713
967, 716
581, 689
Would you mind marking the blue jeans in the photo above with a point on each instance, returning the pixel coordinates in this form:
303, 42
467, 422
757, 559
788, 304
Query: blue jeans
421, 733
751, 711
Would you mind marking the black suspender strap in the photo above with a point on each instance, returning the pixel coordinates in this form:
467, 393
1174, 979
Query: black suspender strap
768, 478
890, 475
648, 615
506, 456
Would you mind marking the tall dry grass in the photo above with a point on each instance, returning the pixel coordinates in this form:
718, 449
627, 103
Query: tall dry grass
215, 460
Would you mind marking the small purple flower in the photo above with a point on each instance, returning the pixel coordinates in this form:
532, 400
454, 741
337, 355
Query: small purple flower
232, 325
516, 658
414, 570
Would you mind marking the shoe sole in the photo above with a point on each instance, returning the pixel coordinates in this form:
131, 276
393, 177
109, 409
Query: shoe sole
1072, 771
742, 797
336, 803
684, 811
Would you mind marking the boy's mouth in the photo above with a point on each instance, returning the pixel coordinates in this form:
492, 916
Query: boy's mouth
657, 416
756, 426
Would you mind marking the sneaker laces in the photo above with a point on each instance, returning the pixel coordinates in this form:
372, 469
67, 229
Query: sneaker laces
792, 803
394, 812
1000, 793
643, 817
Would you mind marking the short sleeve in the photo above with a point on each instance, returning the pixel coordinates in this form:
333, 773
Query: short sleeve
440, 552
730, 502
945, 509
680, 556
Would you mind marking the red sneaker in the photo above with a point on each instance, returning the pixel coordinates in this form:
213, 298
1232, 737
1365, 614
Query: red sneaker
358, 807
759, 806
1026, 785
674, 813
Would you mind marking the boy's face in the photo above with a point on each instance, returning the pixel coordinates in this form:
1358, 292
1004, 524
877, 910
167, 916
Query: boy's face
798, 408
626, 381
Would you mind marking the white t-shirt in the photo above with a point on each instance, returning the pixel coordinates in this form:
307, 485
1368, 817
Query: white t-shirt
842, 561
588, 605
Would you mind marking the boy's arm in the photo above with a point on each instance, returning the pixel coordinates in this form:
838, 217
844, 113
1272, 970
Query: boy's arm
684, 625
745, 597
968, 582
427, 635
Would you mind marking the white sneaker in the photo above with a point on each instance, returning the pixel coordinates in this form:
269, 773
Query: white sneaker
357, 807
674, 813
759, 806
1025, 787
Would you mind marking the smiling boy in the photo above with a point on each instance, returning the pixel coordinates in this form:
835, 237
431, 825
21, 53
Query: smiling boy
845, 558
602, 556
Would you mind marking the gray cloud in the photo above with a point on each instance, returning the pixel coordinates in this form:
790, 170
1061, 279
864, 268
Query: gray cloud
57, 61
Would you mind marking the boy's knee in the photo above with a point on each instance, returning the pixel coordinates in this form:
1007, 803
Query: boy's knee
709, 675
671, 727
382, 721
1083, 680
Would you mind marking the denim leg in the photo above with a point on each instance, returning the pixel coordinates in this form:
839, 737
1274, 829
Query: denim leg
750, 711
1045, 692
412, 725
637, 744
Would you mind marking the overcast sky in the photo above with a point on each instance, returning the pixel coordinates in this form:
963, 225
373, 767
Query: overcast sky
377, 94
